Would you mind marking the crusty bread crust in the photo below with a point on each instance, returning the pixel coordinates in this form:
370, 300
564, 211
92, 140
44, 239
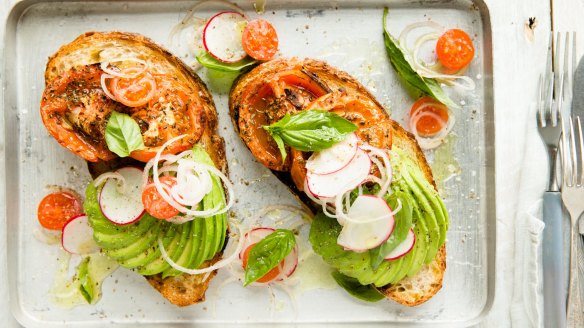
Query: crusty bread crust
96, 47
410, 291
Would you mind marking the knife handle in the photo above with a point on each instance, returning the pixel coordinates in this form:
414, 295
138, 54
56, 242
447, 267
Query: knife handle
554, 290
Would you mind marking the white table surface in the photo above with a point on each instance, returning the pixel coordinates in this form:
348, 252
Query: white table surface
517, 64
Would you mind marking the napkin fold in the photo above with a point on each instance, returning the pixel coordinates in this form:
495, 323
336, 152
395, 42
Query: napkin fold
527, 301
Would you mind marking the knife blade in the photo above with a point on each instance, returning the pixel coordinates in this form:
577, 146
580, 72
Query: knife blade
578, 106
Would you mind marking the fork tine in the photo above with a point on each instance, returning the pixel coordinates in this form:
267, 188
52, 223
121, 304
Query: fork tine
559, 78
574, 60
573, 155
541, 99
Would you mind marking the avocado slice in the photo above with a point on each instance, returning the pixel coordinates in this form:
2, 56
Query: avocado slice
408, 260
182, 254
428, 214
148, 239
436, 204
153, 253
123, 239
171, 241
420, 248
198, 237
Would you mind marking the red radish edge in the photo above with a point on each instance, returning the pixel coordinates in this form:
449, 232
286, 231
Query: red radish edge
382, 240
290, 261
290, 264
205, 39
356, 148
340, 173
64, 235
400, 253
101, 208
259, 233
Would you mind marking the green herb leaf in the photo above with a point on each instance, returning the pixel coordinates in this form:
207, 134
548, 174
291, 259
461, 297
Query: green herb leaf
311, 130
366, 293
268, 253
403, 223
281, 145
122, 134
403, 67
207, 60
85, 281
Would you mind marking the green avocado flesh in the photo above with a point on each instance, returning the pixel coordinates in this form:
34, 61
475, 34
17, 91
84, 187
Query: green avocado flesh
422, 209
135, 246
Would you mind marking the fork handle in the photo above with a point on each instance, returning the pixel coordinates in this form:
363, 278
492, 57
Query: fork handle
554, 291
575, 315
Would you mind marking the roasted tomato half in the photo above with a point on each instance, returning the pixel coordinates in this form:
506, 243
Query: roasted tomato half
75, 110
263, 104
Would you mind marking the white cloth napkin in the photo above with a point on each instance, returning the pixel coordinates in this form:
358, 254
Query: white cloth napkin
527, 303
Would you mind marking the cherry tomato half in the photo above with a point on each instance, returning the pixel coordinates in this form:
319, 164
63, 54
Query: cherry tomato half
429, 125
454, 49
153, 202
57, 208
260, 40
271, 275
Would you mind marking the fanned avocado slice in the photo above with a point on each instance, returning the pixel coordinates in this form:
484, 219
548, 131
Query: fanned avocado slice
437, 206
171, 242
420, 248
198, 235
149, 255
427, 215
182, 254
124, 239
408, 260
148, 240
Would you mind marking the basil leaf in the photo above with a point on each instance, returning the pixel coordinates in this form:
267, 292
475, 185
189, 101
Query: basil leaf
366, 293
403, 223
207, 60
85, 281
311, 130
122, 134
268, 253
281, 145
312, 140
307, 120
401, 64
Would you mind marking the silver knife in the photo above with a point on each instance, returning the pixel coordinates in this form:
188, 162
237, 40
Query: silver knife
578, 106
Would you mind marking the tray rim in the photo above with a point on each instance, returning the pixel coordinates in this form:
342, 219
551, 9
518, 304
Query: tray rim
17, 9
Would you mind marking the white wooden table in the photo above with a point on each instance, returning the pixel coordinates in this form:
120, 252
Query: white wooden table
518, 62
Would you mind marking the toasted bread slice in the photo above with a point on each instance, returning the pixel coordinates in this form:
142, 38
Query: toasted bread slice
96, 47
409, 291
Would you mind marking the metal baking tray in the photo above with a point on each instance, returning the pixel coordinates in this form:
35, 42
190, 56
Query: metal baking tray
348, 35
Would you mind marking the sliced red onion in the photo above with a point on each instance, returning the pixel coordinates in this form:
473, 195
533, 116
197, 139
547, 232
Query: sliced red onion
105, 87
111, 175
116, 72
435, 140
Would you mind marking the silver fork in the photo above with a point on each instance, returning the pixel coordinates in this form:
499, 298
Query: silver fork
573, 197
551, 91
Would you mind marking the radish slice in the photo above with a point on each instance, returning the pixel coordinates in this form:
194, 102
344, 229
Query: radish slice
77, 237
222, 36
404, 247
348, 178
369, 224
254, 236
290, 264
123, 208
334, 158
